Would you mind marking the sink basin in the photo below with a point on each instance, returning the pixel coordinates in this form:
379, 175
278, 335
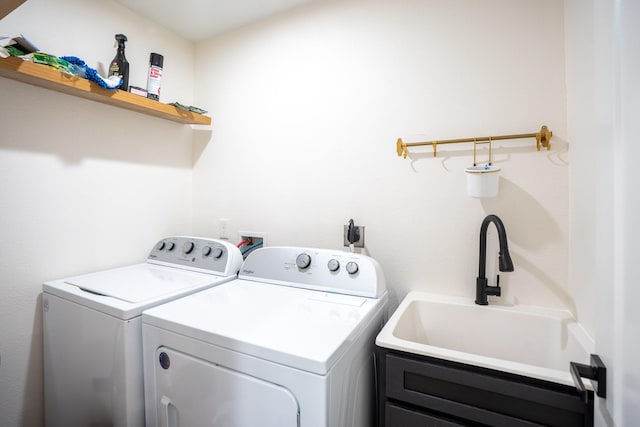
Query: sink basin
531, 341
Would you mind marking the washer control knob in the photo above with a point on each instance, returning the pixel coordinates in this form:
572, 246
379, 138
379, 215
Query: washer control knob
303, 261
333, 265
352, 267
171, 246
217, 253
187, 248
161, 245
206, 251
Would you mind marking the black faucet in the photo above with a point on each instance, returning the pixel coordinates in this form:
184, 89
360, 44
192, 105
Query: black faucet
504, 260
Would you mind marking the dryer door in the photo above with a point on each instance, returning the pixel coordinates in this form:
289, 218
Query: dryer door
198, 393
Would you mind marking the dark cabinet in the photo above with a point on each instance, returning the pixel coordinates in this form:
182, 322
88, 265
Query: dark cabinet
416, 390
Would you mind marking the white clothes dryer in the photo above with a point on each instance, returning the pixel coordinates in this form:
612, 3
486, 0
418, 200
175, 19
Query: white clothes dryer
290, 343
93, 374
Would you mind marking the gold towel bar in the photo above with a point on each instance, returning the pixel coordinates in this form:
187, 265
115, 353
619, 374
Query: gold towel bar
543, 138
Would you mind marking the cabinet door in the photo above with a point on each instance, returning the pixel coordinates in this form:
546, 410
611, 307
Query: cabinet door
481, 395
198, 393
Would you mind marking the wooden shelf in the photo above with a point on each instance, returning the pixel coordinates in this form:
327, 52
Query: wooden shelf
7, 6
49, 78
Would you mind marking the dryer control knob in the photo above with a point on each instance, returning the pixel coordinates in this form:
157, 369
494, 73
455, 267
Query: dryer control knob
187, 248
160, 246
303, 261
206, 251
217, 253
333, 265
352, 267
171, 246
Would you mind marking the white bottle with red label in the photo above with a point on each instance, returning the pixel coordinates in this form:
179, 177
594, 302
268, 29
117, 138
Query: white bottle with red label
155, 75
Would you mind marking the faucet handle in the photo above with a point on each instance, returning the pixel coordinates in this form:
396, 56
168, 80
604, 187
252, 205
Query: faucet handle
495, 290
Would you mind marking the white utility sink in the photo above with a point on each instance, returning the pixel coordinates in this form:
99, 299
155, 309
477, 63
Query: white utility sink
531, 341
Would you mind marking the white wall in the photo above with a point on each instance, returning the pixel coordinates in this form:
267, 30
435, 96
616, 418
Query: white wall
307, 108
603, 101
84, 186
589, 111
627, 230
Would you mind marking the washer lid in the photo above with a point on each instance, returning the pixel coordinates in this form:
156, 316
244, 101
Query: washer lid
112, 291
305, 329
138, 283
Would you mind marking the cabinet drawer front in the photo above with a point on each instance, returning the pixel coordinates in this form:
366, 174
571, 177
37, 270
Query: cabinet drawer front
398, 416
474, 394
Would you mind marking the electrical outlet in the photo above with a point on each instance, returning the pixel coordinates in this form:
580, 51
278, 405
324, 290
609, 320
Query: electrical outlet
256, 239
223, 228
360, 242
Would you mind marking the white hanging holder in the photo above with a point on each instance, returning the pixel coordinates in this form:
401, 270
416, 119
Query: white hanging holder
482, 181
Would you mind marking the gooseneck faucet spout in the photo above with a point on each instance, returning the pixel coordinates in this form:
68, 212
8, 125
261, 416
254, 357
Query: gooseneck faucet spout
504, 260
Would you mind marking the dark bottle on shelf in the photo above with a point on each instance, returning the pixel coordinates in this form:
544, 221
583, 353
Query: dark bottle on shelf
120, 66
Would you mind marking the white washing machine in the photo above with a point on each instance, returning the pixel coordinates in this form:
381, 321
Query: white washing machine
93, 373
290, 343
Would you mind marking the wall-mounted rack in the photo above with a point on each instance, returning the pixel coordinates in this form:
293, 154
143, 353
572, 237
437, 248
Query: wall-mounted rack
543, 139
